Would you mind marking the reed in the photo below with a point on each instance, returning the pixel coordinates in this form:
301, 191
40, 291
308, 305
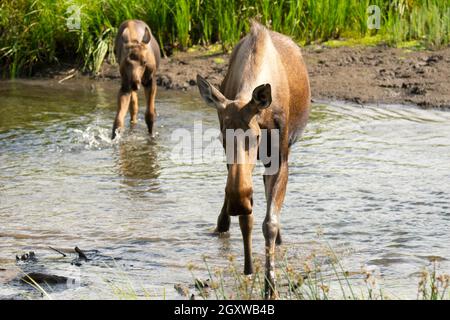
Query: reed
320, 276
34, 32
182, 20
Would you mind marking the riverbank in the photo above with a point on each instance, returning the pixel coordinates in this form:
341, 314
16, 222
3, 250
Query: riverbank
84, 31
357, 74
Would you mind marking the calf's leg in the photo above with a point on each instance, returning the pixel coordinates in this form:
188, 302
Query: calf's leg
134, 108
150, 113
123, 104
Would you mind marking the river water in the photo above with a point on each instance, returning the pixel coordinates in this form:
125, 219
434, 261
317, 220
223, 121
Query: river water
372, 181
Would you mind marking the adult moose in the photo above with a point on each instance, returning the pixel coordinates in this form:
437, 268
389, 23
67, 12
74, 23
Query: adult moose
138, 55
266, 88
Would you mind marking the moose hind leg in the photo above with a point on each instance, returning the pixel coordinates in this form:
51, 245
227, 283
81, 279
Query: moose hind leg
275, 191
270, 229
278, 240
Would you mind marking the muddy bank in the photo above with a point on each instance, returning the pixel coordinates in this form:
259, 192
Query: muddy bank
361, 75
381, 75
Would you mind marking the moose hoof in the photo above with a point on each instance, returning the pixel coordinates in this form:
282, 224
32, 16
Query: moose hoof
222, 234
278, 241
117, 131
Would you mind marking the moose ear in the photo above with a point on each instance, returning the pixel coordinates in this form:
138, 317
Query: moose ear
262, 96
126, 35
147, 36
213, 97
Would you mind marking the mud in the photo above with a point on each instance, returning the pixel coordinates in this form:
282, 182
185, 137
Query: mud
358, 74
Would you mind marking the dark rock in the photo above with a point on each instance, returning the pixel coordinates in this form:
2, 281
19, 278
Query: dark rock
81, 254
417, 90
164, 81
413, 89
44, 278
433, 59
27, 257
201, 284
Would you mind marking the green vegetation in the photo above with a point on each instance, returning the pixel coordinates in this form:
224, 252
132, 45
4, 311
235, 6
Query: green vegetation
35, 32
320, 276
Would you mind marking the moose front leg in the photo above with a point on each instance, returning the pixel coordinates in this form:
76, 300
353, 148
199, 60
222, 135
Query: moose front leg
150, 113
123, 103
134, 108
275, 191
224, 220
246, 224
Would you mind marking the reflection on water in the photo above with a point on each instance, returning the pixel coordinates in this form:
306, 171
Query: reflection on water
374, 180
138, 164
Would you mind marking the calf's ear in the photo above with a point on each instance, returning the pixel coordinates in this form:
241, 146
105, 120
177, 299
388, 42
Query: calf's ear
126, 35
147, 37
213, 97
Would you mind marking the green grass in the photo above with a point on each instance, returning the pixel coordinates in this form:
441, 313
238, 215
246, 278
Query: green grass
183, 22
34, 32
368, 41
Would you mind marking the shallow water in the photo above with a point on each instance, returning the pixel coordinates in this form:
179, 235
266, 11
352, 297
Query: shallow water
373, 181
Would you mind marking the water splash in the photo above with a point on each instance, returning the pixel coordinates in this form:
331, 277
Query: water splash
93, 137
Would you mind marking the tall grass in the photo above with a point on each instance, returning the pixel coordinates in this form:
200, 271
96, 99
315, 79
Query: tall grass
322, 277
34, 32
183, 21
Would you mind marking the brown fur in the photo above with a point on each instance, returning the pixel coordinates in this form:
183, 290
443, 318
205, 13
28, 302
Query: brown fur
138, 55
244, 102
